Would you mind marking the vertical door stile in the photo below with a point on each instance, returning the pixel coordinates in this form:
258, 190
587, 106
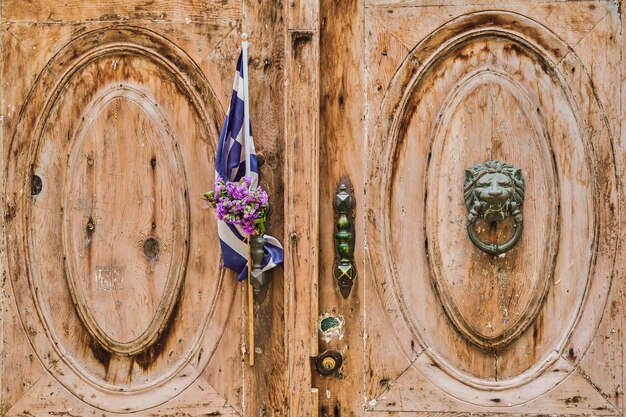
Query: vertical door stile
266, 391
622, 188
301, 201
2, 241
343, 157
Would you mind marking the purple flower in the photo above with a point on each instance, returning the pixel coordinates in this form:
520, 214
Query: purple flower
236, 203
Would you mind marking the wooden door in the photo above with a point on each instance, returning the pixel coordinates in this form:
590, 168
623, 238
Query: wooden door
114, 301
414, 93
114, 298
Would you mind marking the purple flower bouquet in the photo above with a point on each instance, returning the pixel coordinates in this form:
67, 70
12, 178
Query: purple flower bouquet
237, 204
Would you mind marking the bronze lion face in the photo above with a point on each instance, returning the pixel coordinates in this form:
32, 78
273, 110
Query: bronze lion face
493, 190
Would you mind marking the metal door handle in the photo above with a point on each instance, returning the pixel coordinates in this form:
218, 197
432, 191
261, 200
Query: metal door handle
344, 270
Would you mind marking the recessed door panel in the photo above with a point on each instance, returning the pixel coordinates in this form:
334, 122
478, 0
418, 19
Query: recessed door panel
490, 332
488, 116
123, 187
115, 271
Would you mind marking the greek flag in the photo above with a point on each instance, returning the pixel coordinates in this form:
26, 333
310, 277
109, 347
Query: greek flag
235, 158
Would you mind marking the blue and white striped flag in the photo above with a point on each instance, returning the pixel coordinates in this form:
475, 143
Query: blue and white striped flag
230, 164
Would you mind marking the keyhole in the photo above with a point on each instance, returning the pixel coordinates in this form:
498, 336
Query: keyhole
329, 363
493, 225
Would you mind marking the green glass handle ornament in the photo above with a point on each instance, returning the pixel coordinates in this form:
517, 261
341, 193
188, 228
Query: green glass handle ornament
344, 270
494, 191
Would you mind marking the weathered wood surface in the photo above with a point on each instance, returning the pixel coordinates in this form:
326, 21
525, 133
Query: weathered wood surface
155, 12
136, 169
343, 150
584, 288
266, 392
432, 327
302, 144
48, 398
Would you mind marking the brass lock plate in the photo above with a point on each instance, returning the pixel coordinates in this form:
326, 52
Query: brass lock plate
328, 362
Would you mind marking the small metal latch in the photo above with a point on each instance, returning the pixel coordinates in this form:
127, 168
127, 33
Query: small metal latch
328, 362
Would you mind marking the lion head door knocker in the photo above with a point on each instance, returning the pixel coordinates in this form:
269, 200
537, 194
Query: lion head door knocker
494, 191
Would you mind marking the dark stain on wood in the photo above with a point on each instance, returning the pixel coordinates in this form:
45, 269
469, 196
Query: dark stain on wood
574, 400
571, 355
100, 353
299, 42
9, 213
148, 357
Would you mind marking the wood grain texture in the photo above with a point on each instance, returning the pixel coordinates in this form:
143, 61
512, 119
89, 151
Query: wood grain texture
194, 321
264, 23
573, 26
414, 391
540, 84
142, 173
343, 150
620, 293
396, 32
51, 201
48, 397
492, 113
481, 3
302, 15
3, 296
302, 95
119, 10
406, 170
603, 362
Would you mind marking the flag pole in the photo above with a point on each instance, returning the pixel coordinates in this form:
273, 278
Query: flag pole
246, 105
250, 310
246, 140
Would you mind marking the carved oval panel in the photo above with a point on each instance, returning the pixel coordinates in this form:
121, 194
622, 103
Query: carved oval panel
492, 86
126, 221
491, 300
115, 273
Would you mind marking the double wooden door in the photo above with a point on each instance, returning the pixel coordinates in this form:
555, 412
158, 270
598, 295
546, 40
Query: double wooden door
114, 301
